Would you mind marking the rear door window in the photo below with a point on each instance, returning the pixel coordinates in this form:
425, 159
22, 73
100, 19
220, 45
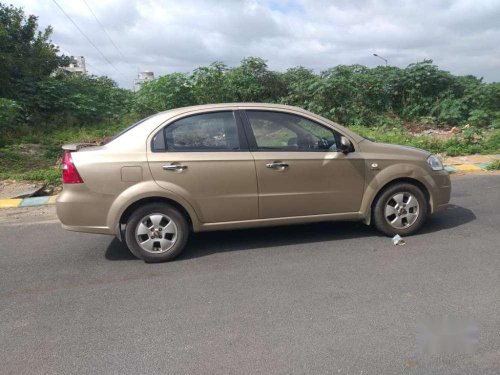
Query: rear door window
216, 131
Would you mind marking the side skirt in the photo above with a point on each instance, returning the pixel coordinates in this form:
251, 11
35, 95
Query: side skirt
349, 216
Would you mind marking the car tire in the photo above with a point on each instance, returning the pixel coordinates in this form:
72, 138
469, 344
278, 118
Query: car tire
396, 205
156, 232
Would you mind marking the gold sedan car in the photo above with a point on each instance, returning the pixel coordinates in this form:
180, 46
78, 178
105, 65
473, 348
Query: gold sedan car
242, 165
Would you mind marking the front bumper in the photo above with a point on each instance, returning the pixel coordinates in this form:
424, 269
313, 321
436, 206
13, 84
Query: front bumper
441, 190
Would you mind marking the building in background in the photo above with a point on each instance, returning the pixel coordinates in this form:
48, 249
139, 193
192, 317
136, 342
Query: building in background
143, 77
76, 66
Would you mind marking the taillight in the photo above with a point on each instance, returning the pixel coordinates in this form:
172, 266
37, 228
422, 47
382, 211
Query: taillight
69, 173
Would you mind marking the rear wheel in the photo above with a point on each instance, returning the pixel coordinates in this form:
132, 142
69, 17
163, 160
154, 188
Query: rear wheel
156, 232
400, 209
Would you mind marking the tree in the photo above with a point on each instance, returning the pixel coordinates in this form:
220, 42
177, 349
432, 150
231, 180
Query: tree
300, 84
26, 54
253, 82
81, 99
167, 92
209, 84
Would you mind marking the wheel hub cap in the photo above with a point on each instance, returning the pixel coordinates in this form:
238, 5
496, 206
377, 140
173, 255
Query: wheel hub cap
402, 210
156, 233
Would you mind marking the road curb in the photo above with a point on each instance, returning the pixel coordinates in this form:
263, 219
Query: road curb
454, 168
28, 202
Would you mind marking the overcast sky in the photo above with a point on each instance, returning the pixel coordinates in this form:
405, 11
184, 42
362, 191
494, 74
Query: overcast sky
461, 36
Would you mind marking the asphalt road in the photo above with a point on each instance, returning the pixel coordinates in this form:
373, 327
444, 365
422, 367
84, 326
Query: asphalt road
333, 298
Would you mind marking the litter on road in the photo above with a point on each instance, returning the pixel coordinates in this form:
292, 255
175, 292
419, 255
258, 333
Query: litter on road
397, 240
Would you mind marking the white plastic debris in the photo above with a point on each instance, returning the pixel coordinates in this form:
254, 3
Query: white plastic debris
397, 240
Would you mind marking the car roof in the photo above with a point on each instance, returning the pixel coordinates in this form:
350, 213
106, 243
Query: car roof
252, 105
234, 105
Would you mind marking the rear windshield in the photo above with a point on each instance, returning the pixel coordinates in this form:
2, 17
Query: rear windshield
125, 130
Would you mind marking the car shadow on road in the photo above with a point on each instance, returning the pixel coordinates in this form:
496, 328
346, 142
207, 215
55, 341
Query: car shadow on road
206, 243
118, 251
451, 217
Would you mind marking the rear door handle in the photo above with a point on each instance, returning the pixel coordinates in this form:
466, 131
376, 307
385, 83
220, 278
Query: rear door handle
174, 167
277, 165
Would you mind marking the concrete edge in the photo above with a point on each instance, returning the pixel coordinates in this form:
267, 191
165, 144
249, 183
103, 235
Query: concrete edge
475, 167
28, 202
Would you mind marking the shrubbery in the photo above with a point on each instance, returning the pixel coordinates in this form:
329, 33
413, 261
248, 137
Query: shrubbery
351, 95
65, 100
10, 113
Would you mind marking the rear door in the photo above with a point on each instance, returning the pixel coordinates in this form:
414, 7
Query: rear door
205, 159
299, 169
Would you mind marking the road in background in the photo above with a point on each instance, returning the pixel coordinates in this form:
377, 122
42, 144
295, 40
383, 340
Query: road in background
322, 298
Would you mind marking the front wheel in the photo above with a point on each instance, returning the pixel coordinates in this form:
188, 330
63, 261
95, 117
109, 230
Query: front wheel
400, 209
156, 232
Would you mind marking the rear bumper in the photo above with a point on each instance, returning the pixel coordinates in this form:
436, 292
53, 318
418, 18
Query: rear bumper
81, 210
87, 229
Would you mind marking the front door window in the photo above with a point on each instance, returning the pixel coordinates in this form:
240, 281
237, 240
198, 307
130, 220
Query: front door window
287, 132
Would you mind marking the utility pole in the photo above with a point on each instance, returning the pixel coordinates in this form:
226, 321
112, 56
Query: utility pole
380, 57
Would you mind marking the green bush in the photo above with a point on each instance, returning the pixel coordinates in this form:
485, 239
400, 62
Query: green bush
492, 142
348, 94
479, 117
74, 100
10, 113
167, 92
450, 111
10, 118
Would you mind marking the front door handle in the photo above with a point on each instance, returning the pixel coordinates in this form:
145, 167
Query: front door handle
278, 165
174, 167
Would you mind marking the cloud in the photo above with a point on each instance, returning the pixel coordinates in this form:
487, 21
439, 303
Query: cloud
165, 36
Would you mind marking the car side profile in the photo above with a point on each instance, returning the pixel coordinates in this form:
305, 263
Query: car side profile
242, 165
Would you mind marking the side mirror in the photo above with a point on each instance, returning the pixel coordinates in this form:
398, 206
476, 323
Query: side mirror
345, 145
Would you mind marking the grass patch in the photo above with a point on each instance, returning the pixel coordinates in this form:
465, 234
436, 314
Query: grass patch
32, 153
467, 141
25, 157
493, 166
51, 176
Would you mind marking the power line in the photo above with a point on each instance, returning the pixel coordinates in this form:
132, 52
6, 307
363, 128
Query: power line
103, 28
86, 37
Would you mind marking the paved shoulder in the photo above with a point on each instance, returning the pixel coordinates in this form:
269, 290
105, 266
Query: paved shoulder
26, 215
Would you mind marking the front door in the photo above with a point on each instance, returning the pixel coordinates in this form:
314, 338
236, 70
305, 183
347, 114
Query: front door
299, 170
204, 159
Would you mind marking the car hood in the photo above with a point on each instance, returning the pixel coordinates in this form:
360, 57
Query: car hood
387, 148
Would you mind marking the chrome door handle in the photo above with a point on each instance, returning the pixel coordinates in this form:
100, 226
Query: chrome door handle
174, 167
277, 165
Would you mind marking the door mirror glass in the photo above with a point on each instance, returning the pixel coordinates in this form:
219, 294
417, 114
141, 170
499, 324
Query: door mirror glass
345, 145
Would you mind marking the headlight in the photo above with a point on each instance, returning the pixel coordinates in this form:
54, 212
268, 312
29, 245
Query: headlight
435, 163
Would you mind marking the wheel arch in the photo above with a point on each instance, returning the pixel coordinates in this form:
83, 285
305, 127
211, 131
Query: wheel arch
127, 212
408, 180
154, 199
387, 184
142, 193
